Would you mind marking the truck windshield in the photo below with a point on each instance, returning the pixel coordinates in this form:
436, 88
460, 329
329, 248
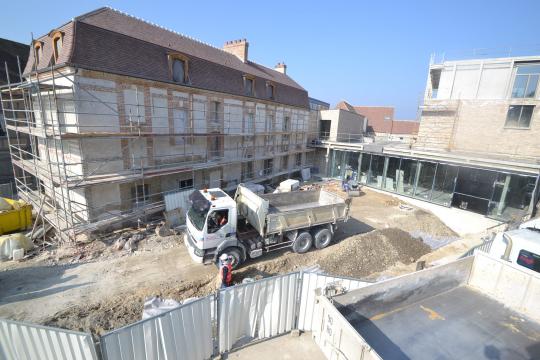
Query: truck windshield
197, 217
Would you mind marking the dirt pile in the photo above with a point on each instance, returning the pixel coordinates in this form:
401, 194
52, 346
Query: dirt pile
357, 256
361, 255
101, 317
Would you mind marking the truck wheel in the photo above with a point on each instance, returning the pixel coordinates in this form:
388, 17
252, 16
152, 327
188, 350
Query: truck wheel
236, 256
302, 243
322, 237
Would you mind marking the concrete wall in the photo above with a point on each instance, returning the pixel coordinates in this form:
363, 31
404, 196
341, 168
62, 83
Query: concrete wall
344, 124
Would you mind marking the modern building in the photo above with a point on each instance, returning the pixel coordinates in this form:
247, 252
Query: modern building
121, 112
13, 56
478, 145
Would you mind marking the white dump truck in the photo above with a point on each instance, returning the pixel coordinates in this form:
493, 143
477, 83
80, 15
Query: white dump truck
250, 224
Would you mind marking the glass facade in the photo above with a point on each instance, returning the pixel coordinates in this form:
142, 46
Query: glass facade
443, 186
499, 195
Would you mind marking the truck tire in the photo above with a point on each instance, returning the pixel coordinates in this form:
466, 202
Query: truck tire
302, 243
236, 255
323, 238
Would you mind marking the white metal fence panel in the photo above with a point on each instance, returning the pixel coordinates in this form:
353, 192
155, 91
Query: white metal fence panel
178, 199
182, 333
336, 337
257, 310
21, 341
312, 281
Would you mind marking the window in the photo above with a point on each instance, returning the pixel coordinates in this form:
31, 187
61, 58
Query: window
270, 89
179, 125
247, 171
178, 71
185, 184
286, 123
529, 260
178, 67
268, 166
298, 159
214, 148
140, 193
215, 111
250, 123
526, 80
269, 123
249, 83
57, 39
217, 219
519, 116
285, 162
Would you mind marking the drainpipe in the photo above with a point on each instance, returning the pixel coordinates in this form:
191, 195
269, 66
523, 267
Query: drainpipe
508, 240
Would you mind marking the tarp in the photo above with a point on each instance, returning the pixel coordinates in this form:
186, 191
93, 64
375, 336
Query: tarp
11, 242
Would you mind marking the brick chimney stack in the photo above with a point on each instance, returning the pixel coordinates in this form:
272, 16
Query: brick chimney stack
239, 48
281, 67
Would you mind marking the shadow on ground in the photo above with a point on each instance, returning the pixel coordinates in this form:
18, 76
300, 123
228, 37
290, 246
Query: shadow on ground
35, 282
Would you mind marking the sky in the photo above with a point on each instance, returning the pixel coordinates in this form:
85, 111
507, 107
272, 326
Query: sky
365, 52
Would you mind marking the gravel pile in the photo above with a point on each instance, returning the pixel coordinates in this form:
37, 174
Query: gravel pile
361, 255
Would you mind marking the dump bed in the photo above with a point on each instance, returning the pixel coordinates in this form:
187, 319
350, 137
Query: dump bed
277, 213
475, 308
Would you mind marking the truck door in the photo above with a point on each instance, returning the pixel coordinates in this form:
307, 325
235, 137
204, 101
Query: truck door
219, 226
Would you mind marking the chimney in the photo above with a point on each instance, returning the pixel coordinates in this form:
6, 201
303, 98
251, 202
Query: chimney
281, 67
239, 48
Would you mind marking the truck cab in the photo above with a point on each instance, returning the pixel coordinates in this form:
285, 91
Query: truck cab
211, 219
520, 246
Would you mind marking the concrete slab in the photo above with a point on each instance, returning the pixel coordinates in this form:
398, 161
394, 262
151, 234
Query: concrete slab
461, 221
458, 324
283, 347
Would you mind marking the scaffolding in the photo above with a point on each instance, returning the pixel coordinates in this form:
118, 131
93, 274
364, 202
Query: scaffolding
81, 136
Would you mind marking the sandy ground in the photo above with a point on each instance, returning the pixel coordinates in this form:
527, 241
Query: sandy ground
93, 287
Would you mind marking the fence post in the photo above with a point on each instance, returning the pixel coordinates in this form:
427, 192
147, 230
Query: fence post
217, 310
299, 283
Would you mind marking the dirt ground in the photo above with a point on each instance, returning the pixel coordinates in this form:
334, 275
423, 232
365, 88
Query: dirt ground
94, 287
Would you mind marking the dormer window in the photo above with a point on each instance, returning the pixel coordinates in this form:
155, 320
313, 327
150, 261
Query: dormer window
249, 85
270, 91
38, 51
58, 42
178, 68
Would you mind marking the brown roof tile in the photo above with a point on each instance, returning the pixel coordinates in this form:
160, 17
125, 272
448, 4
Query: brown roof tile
379, 118
111, 41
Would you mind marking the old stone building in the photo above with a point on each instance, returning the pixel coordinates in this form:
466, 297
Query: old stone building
124, 112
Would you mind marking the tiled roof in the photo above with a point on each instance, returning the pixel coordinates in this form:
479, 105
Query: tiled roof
405, 127
343, 105
9, 50
111, 41
379, 118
